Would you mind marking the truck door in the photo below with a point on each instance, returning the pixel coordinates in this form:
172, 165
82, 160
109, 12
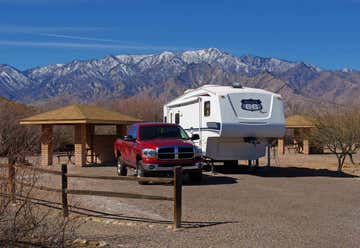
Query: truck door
127, 145
132, 145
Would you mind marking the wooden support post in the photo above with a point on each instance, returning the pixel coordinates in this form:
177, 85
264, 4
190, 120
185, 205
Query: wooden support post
46, 145
64, 185
306, 146
177, 196
11, 181
90, 131
269, 155
80, 144
281, 150
249, 163
257, 163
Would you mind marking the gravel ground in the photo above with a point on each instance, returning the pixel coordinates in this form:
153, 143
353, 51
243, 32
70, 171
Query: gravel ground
285, 206
300, 203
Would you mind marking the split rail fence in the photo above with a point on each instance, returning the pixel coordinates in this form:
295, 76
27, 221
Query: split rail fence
65, 191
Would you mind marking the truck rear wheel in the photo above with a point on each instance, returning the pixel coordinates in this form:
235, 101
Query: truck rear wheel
121, 167
195, 176
141, 172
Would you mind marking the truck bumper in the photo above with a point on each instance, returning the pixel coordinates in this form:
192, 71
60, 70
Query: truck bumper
158, 168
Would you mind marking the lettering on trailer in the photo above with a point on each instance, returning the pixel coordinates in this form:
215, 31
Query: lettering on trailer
251, 105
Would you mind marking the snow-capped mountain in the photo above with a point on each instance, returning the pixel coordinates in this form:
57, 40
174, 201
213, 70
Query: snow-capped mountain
12, 81
168, 74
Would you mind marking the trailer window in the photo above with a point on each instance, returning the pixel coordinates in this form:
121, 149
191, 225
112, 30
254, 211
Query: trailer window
177, 118
207, 108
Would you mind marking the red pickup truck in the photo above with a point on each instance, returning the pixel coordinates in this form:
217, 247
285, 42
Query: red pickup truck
151, 148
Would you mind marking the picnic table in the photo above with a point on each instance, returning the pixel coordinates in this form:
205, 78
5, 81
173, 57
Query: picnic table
68, 151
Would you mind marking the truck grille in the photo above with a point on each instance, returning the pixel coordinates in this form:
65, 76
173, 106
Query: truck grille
175, 153
166, 153
185, 152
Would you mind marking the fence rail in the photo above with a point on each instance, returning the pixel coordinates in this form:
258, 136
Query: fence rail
118, 194
126, 178
37, 187
176, 181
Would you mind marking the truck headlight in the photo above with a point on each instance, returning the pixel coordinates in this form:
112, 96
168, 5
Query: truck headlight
198, 151
149, 153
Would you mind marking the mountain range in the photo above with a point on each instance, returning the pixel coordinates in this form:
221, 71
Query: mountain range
167, 74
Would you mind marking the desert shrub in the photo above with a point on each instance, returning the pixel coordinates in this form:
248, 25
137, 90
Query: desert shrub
26, 221
338, 131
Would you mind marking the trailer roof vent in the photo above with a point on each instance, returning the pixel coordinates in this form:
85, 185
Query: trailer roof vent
236, 85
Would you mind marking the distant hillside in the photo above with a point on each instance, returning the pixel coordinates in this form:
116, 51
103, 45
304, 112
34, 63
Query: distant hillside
4, 100
18, 108
166, 75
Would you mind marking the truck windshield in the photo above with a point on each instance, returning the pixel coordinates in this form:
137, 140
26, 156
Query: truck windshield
162, 132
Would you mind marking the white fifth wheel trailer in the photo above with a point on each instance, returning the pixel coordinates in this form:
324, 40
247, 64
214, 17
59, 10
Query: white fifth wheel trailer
233, 122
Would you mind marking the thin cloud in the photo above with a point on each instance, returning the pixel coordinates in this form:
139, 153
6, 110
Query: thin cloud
86, 38
45, 29
83, 45
72, 37
24, 1
47, 2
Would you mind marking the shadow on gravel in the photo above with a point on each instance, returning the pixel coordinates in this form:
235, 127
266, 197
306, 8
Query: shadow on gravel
111, 216
283, 172
211, 180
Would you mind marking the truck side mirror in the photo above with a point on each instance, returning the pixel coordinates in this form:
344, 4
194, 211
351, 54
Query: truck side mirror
195, 137
129, 138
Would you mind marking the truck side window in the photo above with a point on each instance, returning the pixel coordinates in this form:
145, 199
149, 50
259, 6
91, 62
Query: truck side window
133, 131
177, 118
207, 108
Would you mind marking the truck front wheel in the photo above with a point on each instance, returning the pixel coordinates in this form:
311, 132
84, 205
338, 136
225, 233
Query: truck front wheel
195, 176
121, 167
140, 172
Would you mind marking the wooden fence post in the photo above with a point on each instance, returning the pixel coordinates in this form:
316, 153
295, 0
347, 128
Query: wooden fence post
64, 185
11, 181
177, 196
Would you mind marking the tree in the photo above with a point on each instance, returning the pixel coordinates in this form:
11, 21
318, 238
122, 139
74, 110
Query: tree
16, 141
141, 106
339, 132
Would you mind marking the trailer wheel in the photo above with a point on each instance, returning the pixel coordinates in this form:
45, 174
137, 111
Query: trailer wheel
121, 167
140, 172
195, 176
231, 163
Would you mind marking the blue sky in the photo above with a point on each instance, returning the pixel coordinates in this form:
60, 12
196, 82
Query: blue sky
39, 32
